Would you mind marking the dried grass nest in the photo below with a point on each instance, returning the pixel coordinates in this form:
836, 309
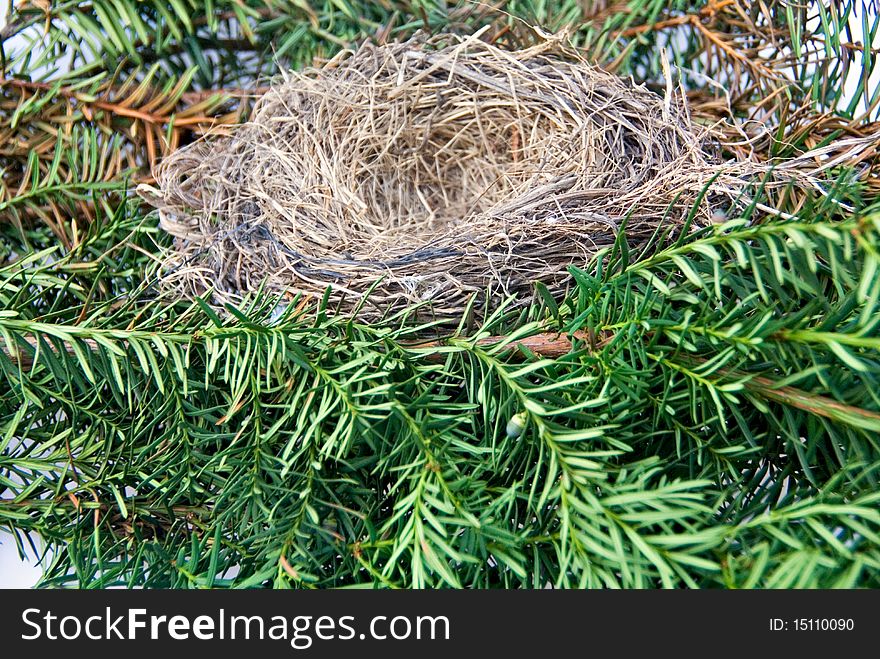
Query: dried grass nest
429, 171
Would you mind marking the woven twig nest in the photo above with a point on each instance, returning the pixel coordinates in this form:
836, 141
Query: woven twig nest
429, 171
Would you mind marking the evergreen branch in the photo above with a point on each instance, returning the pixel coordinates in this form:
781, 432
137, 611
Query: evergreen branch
702, 413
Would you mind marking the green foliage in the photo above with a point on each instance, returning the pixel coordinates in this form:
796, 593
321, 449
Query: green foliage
715, 422
722, 430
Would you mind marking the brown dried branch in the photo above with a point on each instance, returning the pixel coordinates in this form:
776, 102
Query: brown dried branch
549, 345
120, 109
708, 12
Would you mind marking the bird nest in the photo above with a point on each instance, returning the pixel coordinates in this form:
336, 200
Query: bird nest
429, 171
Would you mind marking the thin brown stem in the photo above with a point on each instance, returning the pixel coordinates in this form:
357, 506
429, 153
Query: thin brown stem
114, 108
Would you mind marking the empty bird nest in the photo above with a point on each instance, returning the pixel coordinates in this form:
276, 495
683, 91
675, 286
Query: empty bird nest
429, 171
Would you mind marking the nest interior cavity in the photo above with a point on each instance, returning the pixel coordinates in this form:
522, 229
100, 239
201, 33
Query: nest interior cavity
429, 171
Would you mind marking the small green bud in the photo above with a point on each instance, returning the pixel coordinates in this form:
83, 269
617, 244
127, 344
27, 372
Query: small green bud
516, 425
